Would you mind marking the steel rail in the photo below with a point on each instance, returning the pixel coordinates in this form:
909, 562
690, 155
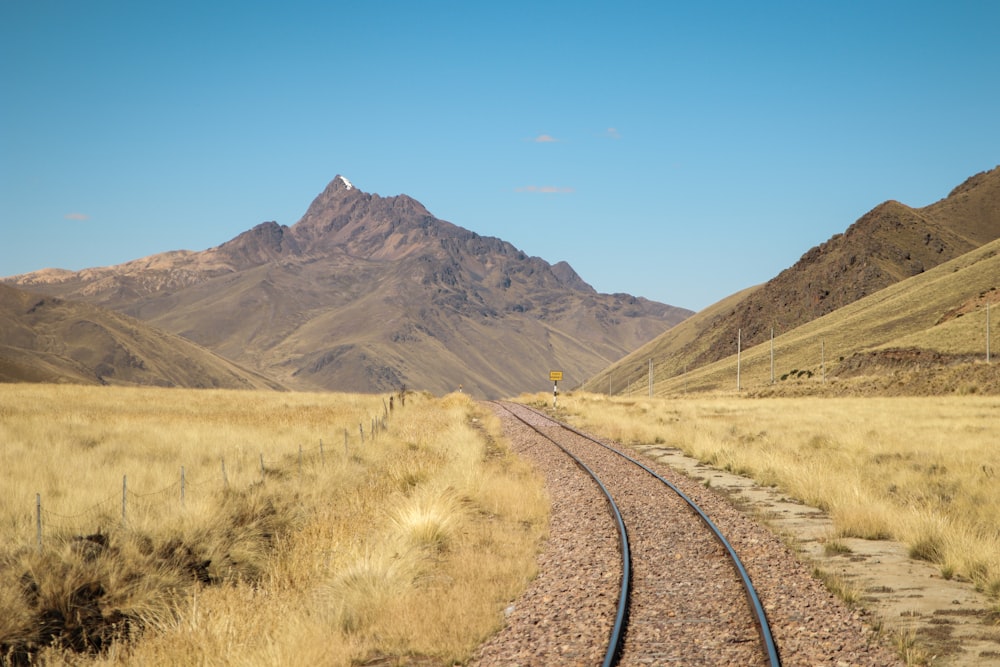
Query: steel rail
621, 617
760, 617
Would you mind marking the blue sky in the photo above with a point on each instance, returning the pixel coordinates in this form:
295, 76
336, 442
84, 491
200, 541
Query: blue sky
678, 151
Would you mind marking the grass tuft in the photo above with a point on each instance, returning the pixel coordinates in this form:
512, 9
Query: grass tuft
428, 521
928, 547
836, 548
845, 591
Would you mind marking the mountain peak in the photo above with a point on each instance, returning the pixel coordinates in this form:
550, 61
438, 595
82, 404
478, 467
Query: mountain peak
341, 183
337, 189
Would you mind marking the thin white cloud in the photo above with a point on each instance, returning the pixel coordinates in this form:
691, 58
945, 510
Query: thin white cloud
545, 139
76, 216
613, 133
545, 189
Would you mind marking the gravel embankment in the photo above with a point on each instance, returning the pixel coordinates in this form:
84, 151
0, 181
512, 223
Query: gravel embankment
688, 606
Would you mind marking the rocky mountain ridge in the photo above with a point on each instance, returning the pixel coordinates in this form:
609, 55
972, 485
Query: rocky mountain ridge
368, 293
891, 243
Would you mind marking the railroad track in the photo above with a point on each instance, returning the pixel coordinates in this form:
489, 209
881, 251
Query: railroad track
683, 596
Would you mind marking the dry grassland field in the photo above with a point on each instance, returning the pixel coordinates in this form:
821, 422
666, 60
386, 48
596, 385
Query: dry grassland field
922, 471
319, 529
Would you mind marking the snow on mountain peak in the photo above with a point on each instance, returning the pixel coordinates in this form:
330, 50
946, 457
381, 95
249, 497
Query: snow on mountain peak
347, 183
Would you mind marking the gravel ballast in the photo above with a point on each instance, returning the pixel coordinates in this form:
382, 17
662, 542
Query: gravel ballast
688, 606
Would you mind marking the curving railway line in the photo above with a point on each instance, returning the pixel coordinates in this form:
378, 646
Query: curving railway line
659, 584
663, 617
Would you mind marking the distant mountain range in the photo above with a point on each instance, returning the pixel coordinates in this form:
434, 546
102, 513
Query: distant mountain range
369, 293
884, 266
365, 293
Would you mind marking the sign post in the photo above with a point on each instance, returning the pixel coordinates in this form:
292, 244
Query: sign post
555, 376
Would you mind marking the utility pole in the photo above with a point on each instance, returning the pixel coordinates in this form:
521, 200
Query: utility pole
739, 345
650, 378
772, 355
822, 357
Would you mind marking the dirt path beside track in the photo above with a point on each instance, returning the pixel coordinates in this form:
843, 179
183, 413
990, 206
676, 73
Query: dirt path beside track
952, 623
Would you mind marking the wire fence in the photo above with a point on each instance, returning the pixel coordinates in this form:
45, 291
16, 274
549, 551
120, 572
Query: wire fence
120, 508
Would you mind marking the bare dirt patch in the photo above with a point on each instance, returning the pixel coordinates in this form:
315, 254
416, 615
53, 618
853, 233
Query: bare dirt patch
951, 622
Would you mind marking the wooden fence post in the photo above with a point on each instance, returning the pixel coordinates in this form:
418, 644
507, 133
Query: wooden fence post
38, 520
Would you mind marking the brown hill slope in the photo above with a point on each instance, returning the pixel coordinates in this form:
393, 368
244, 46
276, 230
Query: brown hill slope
46, 339
925, 335
890, 243
368, 293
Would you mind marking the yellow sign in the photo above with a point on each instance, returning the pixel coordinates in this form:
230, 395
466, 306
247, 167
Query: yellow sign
555, 376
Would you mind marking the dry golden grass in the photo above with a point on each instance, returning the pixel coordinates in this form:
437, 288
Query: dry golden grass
408, 544
919, 470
